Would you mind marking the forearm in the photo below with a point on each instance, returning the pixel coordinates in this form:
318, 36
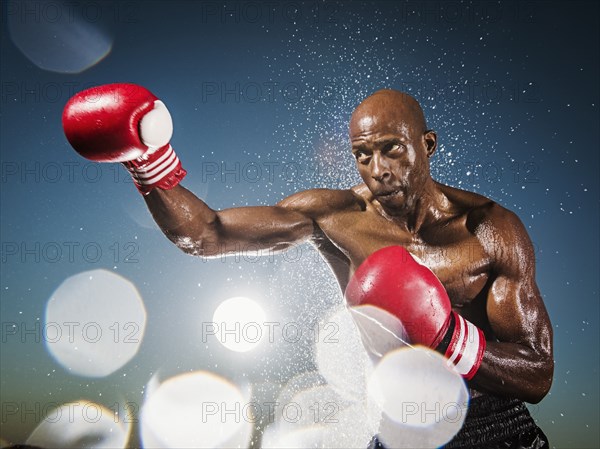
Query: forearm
183, 217
510, 369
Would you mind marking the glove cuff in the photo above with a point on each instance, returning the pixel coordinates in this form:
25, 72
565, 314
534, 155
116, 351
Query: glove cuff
159, 168
463, 345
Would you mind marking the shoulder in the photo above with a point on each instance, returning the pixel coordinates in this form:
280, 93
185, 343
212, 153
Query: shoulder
319, 202
499, 230
482, 213
504, 238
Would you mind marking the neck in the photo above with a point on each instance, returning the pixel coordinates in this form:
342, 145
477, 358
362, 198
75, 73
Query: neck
422, 208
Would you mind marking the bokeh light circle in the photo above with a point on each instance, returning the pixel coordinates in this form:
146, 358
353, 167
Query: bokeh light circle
80, 424
239, 324
311, 413
57, 37
424, 401
94, 323
197, 410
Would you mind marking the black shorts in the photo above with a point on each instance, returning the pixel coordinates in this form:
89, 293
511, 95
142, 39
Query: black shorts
494, 423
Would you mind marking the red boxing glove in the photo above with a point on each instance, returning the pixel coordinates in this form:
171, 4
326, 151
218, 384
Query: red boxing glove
125, 123
393, 280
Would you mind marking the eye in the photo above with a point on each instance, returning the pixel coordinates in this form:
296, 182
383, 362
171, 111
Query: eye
361, 156
395, 147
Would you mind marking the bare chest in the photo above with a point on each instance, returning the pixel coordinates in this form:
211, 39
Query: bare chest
450, 251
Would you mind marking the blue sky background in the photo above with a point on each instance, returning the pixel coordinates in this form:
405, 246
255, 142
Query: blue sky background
261, 94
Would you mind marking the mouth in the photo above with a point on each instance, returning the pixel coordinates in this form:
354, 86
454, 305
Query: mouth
388, 194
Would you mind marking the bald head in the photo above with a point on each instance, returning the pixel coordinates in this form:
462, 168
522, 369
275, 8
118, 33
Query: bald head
388, 108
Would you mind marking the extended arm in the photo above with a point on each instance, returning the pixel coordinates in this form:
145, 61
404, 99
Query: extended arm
199, 230
127, 123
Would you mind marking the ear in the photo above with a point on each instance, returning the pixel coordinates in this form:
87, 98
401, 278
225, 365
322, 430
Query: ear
430, 138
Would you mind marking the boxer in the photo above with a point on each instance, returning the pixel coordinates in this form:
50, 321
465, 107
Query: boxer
469, 291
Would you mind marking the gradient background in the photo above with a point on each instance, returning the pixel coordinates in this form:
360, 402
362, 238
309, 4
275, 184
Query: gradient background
260, 94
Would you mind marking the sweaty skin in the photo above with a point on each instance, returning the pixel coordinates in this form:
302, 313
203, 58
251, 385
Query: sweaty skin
479, 250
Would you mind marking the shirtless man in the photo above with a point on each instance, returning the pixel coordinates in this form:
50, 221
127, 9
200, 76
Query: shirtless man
479, 250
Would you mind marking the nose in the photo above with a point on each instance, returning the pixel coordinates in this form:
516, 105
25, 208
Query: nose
379, 168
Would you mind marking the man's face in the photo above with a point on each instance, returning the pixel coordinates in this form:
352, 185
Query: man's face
391, 156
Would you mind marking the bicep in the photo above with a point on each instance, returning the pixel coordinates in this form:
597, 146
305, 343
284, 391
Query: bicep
258, 228
517, 313
291, 221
